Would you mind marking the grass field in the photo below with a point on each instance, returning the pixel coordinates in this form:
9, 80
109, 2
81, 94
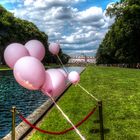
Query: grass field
118, 88
4, 67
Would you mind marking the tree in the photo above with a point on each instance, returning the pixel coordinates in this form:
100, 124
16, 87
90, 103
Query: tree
13, 29
122, 44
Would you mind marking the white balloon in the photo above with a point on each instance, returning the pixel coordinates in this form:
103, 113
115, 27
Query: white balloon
54, 48
74, 77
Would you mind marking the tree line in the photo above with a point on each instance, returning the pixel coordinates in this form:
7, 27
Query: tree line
14, 29
122, 42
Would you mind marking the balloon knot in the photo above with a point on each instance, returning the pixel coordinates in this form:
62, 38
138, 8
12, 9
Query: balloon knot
49, 90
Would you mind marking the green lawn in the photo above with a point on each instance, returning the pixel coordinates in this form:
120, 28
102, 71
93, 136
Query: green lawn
118, 88
4, 67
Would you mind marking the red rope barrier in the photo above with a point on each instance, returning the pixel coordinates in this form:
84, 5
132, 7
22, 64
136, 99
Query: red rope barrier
57, 133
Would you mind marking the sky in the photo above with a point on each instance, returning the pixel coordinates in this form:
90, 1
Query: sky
78, 25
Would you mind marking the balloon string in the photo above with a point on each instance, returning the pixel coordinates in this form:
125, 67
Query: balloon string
77, 84
87, 92
62, 64
66, 117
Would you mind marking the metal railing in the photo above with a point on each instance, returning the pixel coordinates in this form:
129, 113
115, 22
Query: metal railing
100, 114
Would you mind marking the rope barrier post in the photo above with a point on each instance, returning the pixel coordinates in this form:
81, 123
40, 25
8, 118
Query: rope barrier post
101, 119
13, 122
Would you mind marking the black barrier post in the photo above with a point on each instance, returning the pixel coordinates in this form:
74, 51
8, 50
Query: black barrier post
101, 119
13, 122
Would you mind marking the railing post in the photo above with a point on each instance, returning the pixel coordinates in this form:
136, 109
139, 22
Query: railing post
101, 119
13, 122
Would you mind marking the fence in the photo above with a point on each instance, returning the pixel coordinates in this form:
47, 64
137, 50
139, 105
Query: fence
100, 112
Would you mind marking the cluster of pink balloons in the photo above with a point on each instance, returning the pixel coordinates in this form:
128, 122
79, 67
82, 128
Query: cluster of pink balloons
15, 51
29, 72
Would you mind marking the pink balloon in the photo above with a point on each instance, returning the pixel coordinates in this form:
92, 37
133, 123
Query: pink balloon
54, 48
74, 77
64, 73
29, 72
36, 49
54, 84
13, 52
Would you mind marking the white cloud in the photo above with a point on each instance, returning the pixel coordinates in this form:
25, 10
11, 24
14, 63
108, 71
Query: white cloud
64, 13
76, 30
50, 3
81, 52
92, 14
28, 2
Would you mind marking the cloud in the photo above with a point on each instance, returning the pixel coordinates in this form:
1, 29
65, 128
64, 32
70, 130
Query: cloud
77, 30
50, 3
82, 37
63, 13
92, 14
81, 52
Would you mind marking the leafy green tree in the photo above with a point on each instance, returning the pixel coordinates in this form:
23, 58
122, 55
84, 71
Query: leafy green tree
13, 29
122, 44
